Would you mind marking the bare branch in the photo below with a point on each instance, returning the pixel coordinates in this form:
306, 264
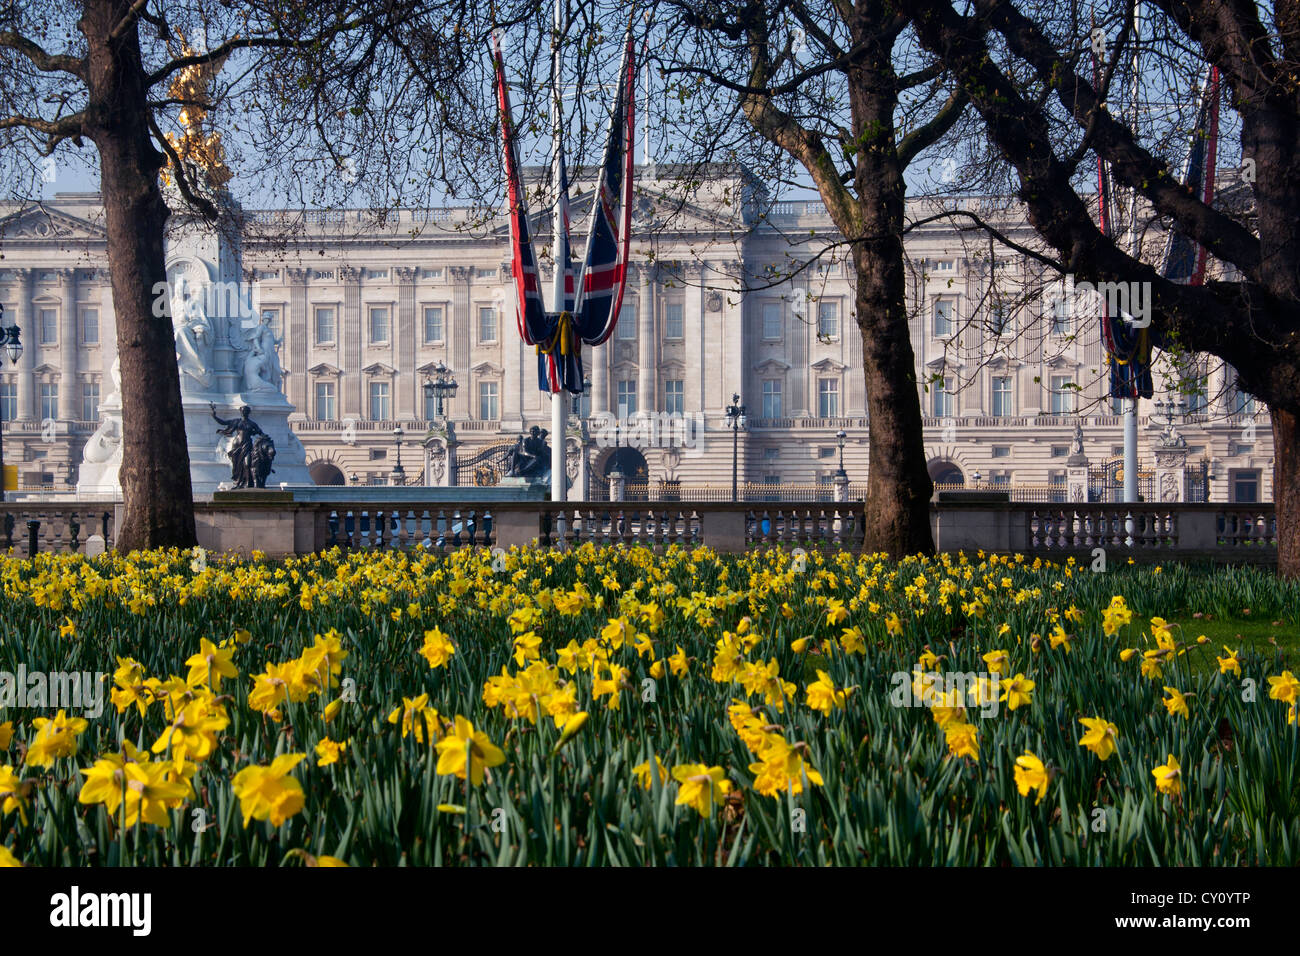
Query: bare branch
42, 60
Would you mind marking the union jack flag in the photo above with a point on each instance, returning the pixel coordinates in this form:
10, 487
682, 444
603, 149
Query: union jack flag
531, 313
604, 267
592, 300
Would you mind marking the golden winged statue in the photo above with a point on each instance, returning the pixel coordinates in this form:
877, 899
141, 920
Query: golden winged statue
196, 146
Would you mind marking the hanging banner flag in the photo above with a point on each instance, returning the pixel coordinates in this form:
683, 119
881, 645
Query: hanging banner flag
604, 268
534, 324
594, 296
1184, 257
1128, 347
561, 349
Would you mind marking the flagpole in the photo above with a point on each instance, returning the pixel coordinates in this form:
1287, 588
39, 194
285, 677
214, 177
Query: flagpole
559, 409
1131, 404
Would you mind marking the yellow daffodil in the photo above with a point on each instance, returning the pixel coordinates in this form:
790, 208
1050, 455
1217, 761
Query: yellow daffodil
1030, 774
466, 752
1100, 737
701, 787
1169, 777
270, 793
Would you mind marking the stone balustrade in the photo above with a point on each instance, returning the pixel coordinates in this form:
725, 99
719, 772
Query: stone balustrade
278, 526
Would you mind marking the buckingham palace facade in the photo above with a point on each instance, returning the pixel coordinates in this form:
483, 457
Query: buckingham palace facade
726, 293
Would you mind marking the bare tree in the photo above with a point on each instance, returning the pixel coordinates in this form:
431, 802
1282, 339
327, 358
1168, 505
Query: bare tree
1027, 76
316, 83
835, 93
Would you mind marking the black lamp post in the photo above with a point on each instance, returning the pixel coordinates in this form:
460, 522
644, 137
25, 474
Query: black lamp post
735, 421
13, 346
841, 435
399, 473
443, 388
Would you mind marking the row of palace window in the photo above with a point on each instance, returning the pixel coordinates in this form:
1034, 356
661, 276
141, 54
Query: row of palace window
434, 326
1063, 393
380, 404
47, 326
49, 401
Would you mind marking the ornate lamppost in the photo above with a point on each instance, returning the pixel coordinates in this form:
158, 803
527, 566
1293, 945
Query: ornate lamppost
735, 421
10, 339
399, 473
443, 388
841, 436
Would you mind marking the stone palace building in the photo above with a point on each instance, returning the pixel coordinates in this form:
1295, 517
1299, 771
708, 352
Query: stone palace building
728, 293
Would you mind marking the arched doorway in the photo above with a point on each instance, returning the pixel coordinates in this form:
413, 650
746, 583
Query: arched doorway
325, 473
636, 473
944, 472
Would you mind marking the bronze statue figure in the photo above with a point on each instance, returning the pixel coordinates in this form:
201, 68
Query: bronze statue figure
531, 456
263, 455
242, 465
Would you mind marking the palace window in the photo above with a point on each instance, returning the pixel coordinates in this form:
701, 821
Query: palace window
379, 402
828, 397
673, 320
378, 325
674, 396
1001, 396
90, 326
90, 402
772, 399
433, 330
325, 408
324, 326
488, 404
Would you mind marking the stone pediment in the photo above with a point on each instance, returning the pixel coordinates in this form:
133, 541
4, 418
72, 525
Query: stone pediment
41, 224
944, 362
325, 368
379, 368
486, 368
772, 365
829, 365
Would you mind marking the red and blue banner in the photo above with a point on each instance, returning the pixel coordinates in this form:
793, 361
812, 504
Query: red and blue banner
592, 297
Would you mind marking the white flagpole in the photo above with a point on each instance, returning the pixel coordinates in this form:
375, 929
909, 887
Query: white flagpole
1131, 404
559, 407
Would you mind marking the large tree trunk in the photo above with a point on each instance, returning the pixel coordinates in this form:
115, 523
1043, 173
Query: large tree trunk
1286, 490
155, 473
898, 484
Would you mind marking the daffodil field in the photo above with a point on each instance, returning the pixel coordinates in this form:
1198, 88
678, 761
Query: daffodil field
620, 706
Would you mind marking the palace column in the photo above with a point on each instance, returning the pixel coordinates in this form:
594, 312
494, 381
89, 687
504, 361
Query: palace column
406, 401
351, 330
514, 376
801, 327
462, 331
647, 353
297, 339
31, 339
69, 406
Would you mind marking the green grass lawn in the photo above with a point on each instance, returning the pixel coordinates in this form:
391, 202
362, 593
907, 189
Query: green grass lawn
1272, 640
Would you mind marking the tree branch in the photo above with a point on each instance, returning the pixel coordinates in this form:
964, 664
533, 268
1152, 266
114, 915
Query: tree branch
1130, 163
1054, 264
929, 134
42, 60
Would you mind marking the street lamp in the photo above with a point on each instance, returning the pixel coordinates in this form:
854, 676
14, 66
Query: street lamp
13, 346
841, 435
399, 473
735, 421
443, 388
582, 402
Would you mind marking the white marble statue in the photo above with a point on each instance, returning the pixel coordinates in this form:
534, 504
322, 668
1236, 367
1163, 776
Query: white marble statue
262, 370
193, 337
258, 371
101, 445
